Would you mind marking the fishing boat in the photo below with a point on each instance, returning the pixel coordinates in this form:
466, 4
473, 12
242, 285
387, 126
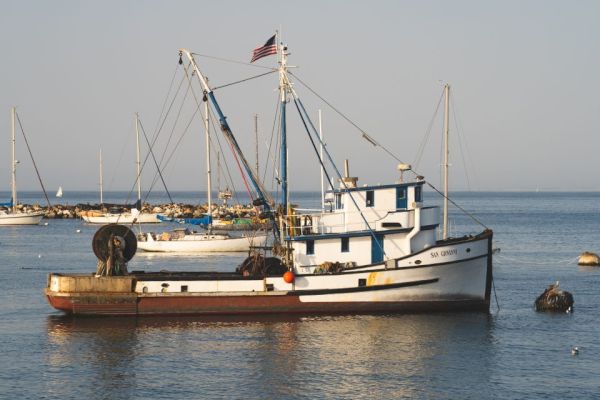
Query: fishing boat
14, 216
115, 215
375, 249
191, 241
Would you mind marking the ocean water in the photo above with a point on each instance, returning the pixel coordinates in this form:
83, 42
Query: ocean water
512, 352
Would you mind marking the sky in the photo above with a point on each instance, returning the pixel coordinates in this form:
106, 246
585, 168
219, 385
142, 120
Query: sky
524, 79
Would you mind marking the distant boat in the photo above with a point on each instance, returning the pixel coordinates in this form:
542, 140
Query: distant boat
59, 192
13, 216
115, 216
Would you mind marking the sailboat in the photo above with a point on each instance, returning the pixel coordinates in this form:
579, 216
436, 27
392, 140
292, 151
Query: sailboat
116, 216
13, 216
191, 241
59, 192
376, 249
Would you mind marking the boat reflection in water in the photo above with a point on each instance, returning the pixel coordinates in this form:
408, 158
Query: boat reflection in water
412, 356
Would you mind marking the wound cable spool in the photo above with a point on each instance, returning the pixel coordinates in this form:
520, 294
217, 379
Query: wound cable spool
104, 234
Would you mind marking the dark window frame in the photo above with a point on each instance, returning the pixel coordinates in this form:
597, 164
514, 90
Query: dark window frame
370, 198
310, 247
345, 244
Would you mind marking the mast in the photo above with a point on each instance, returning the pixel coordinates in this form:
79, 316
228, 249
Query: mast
283, 99
256, 139
208, 175
14, 163
101, 194
264, 199
137, 155
446, 156
321, 155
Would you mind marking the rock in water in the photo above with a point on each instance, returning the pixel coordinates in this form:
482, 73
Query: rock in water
587, 258
554, 299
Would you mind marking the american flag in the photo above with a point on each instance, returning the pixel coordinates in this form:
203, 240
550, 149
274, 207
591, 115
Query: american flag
265, 50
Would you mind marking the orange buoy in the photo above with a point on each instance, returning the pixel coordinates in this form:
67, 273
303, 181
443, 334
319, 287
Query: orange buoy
288, 277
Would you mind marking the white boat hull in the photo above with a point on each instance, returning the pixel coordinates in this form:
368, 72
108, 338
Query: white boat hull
453, 281
202, 243
33, 218
125, 218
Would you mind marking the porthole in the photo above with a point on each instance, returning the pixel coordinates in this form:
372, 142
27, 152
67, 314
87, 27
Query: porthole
468, 249
417, 262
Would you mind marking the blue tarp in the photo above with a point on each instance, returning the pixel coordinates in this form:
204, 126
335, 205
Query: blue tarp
205, 220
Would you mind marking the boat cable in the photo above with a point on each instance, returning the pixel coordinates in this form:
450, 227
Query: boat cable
460, 142
368, 138
33, 161
242, 80
365, 135
425, 140
299, 106
155, 162
212, 122
495, 294
276, 123
228, 178
162, 111
233, 61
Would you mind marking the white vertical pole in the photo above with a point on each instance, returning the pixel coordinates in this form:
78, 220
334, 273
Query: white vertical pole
256, 140
446, 157
14, 163
137, 155
322, 161
208, 174
101, 183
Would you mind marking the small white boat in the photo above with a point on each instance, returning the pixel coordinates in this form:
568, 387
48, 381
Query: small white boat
13, 216
130, 217
96, 217
59, 192
187, 241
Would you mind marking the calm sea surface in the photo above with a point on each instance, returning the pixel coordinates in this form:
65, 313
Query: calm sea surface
510, 353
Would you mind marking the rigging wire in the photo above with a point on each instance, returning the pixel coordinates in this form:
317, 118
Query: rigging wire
269, 153
233, 61
365, 135
33, 161
155, 162
425, 140
242, 80
460, 142
299, 105
377, 144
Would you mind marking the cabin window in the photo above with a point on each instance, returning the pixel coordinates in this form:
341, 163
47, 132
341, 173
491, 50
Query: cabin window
401, 197
418, 194
345, 244
310, 247
338, 201
370, 198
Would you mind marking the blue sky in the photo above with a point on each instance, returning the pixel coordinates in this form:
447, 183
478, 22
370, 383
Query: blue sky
524, 77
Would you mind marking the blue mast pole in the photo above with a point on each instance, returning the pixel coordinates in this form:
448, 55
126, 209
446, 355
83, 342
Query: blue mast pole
283, 156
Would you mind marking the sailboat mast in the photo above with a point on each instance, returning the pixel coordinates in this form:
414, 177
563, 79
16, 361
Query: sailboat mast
446, 157
321, 155
14, 163
208, 174
137, 156
264, 198
283, 100
101, 183
256, 139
